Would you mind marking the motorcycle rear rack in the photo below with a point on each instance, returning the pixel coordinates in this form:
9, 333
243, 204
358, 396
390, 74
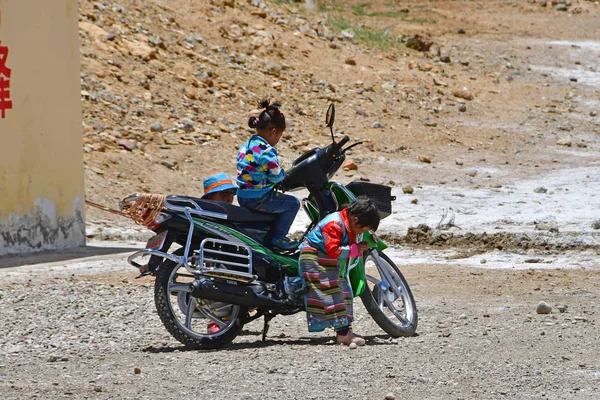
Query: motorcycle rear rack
243, 261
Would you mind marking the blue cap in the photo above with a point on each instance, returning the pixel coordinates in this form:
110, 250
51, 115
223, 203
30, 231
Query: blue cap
218, 182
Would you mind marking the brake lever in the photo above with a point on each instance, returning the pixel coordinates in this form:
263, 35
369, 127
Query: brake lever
351, 146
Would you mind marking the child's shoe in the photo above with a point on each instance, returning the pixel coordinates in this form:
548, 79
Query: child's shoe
285, 243
350, 338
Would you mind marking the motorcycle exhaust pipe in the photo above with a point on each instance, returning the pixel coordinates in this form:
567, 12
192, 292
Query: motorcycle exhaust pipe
248, 296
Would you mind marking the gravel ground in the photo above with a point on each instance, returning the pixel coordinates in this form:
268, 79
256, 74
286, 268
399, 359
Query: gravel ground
88, 329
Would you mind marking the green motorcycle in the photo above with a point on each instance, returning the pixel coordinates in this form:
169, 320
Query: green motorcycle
222, 275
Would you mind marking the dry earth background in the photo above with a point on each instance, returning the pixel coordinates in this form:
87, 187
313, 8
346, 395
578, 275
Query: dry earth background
495, 125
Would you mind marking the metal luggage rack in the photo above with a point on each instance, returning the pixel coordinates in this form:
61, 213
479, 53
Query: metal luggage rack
184, 259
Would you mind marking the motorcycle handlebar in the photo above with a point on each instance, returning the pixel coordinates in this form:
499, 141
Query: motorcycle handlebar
336, 146
344, 140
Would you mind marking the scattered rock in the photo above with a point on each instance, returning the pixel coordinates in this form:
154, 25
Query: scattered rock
483, 261
564, 142
562, 308
389, 396
462, 107
408, 189
127, 144
156, 127
419, 43
188, 126
461, 31
377, 125
350, 61
414, 201
445, 59
540, 190
430, 123
458, 161
350, 165
424, 159
353, 346
596, 224
533, 260
543, 308
137, 370
437, 82
593, 113
346, 34
463, 93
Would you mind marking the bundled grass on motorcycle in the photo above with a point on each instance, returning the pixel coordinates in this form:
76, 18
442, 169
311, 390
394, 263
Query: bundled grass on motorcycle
215, 272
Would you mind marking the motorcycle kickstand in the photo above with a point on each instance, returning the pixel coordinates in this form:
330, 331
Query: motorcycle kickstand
268, 317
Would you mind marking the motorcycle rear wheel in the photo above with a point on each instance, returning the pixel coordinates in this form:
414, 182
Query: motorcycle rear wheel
189, 319
387, 297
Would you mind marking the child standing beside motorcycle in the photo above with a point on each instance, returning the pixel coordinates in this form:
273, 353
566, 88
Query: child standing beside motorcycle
258, 171
328, 302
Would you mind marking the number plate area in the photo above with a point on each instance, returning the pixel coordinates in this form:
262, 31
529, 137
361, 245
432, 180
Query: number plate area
156, 242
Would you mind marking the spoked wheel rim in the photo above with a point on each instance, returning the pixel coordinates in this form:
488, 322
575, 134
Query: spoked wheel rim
390, 292
197, 317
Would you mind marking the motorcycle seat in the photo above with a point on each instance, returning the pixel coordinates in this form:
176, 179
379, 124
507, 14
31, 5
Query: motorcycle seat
234, 213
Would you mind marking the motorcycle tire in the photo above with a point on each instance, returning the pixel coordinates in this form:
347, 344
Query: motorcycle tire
185, 335
377, 304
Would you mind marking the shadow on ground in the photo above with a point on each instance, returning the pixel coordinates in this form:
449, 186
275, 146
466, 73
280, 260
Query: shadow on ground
18, 260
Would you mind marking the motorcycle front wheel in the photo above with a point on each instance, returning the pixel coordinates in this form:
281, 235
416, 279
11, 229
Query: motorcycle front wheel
387, 297
197, 323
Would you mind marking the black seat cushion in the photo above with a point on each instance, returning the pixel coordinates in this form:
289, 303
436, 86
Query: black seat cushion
234, 213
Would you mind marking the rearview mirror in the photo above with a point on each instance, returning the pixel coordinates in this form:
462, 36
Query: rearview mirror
330, 116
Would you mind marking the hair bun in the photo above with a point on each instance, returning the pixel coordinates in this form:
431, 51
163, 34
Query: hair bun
252, 122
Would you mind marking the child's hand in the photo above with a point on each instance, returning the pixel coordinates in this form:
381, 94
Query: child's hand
362, 247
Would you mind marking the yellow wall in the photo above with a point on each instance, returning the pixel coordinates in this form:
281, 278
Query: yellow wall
41, 160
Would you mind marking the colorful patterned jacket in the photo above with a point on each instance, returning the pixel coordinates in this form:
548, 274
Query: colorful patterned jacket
333, 236
258, 168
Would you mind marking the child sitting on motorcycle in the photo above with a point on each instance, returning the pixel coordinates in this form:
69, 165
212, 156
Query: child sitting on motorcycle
220, 187
258, 171
328, 302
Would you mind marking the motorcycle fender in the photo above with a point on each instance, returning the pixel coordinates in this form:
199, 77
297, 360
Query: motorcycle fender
357, 275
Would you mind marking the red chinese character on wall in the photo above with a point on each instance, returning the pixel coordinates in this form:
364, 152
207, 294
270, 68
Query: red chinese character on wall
5, 102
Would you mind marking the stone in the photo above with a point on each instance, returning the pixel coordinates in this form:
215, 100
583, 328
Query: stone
593, 113
458, 161
562, 7
353, 346
596, 224
139, 49
462, 107
424, 159
562, 308
445, 59
461, 31
188, 126
350, 166
463, 93
389, 396
156, 127
429, 122
346, 34
350, 61
377, 125
540, 190
127, 144
137, 370
408, 189
419, 43
564, 142
414, 201
543, 308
